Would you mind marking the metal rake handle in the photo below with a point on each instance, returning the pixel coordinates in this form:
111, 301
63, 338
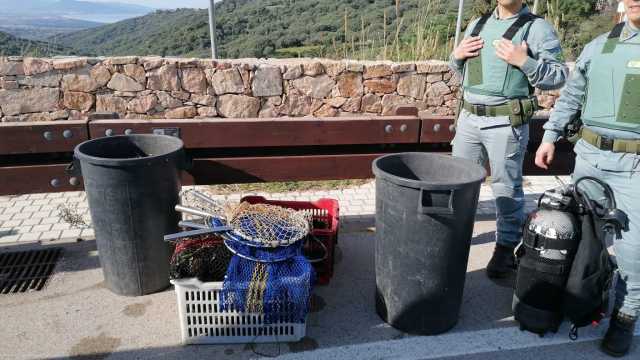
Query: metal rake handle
189, 224
192, 211
191, 233
204, 198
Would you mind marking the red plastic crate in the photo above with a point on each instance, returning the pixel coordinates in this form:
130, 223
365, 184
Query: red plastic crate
326, 211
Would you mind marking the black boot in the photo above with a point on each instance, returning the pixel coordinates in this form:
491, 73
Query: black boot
502, 264
619, 337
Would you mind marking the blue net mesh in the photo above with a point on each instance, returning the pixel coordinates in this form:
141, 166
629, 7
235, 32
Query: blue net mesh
261, 254
288, 290
279, 290
268, 275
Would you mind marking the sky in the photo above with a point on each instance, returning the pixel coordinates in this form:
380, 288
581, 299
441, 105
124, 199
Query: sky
164, 4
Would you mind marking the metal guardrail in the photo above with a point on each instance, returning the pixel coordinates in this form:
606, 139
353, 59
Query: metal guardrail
34, 156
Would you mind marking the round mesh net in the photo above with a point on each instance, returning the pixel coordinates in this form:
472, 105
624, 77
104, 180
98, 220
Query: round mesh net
264, 254
256, 224
268, 273
268, 225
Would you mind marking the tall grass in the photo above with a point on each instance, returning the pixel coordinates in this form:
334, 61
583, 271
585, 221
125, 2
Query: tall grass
415, 36
426, 33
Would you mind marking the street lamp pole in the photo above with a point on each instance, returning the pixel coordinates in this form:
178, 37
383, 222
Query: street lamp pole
212, 27
459, 23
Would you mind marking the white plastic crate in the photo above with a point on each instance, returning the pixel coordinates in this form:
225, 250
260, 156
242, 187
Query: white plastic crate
202, 322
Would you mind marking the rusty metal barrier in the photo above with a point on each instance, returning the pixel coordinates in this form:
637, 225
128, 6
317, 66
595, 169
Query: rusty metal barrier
34, 156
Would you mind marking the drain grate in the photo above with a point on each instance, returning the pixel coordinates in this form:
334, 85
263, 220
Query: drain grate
27, 270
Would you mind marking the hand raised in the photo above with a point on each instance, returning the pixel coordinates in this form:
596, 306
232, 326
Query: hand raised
468, 47
515, 55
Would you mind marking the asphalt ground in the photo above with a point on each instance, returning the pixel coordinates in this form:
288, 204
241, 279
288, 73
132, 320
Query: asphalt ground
75, 316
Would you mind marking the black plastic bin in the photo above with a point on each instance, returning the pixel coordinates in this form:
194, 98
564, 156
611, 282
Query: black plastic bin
425, 211
132, 184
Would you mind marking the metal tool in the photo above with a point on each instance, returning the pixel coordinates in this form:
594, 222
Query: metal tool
199, 232
192, 211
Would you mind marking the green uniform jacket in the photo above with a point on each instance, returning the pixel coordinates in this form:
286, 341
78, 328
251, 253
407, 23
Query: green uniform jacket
572, 99
546, 70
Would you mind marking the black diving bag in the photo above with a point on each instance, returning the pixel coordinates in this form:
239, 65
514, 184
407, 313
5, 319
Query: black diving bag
564, 267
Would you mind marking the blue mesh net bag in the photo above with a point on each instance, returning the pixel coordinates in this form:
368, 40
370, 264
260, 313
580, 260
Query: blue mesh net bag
279, 290
268, 274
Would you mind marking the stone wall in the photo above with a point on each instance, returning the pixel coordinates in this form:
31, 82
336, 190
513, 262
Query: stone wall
34, 89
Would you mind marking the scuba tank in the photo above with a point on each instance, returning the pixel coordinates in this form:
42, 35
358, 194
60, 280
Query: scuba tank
550, 239
564, 268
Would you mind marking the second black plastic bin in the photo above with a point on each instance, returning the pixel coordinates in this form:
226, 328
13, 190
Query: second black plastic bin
425, 211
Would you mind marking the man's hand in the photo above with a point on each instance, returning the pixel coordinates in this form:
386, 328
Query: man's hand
544, 155
468, 47
515, 55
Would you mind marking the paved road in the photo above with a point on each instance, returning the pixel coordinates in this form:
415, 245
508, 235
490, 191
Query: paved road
76, 316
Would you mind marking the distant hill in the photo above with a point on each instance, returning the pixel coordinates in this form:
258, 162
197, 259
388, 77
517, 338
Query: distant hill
99, 7
69, 7
248, 28
368, 29
42, 27
13, 46
180, 32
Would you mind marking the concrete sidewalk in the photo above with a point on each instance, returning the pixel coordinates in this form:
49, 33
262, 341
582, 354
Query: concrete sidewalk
36, 217
77, 317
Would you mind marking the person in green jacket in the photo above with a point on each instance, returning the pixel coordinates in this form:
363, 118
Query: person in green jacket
503, 56
604, 93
